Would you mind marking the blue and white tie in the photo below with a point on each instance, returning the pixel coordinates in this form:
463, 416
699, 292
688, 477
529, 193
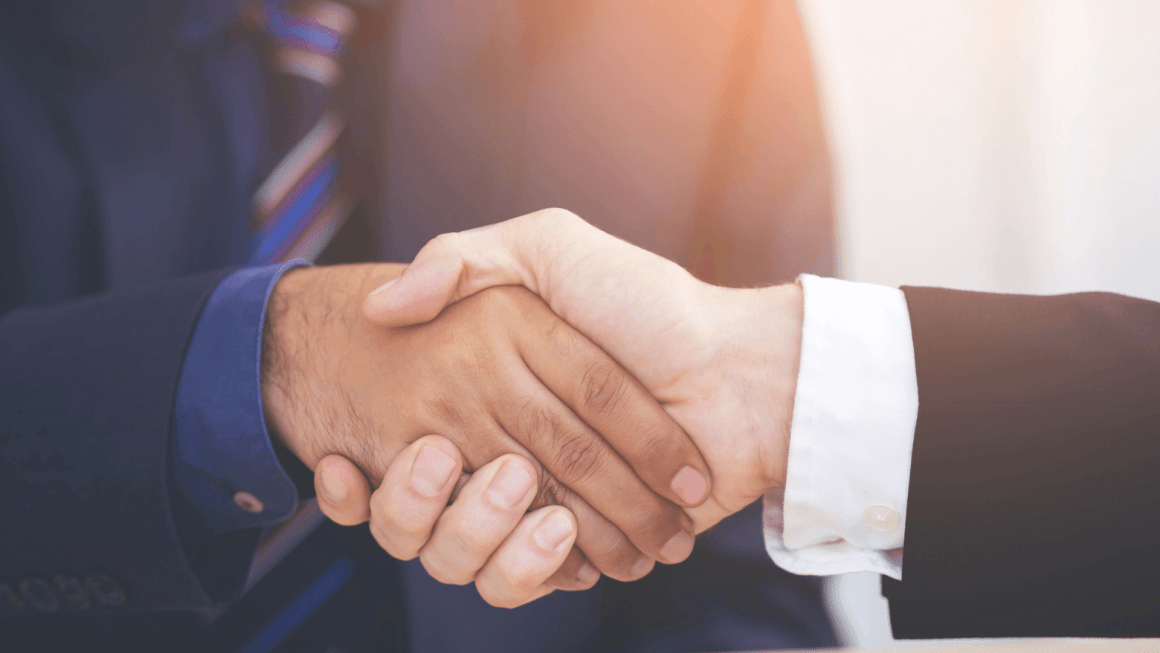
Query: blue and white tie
302, 204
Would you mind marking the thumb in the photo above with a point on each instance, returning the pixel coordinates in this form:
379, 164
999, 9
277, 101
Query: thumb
344, 494
457, 265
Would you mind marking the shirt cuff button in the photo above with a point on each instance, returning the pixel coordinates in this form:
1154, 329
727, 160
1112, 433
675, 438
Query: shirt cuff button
881, 518
249, 502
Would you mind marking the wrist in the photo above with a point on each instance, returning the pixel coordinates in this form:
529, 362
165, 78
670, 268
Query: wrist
277, 362
764, 332
311, 317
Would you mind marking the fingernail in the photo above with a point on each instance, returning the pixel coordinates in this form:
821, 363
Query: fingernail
509, 486
334, 489
384, 287
642, 567
431, 471
677, 549
587, 574
552, 532
690, 485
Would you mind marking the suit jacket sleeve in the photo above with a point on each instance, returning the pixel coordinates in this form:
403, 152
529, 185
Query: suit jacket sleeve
1034, 504
83, 443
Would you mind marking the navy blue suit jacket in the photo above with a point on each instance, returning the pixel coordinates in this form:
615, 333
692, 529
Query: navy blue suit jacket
132, 134
111, 152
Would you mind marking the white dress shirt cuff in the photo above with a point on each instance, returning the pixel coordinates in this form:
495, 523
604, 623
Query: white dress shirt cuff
844, 505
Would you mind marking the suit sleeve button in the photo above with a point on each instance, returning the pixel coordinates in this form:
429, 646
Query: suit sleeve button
39, 594
72, 591
105, 591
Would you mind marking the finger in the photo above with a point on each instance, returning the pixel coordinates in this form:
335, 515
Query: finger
575, 574
617, 406
582, 461
488, 507
605, 547
344, 494
413, 495
457, 265
517, 572
464, 477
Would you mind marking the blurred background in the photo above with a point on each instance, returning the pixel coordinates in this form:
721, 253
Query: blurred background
689, 128
994, 144
1005, 145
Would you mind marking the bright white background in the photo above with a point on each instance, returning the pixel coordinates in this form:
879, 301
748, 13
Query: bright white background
1006, 145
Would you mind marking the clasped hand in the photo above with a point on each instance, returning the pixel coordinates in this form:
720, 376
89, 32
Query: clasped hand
628, 405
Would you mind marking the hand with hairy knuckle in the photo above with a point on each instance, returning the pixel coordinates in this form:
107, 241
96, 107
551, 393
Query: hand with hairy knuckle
602, 388
334, 383
577, 455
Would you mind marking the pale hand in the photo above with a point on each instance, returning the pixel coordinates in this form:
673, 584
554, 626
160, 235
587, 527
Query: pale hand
722, 362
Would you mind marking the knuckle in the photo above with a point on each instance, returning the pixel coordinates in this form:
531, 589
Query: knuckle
657, 447
382, 507
613, 545
622, 571
392, 525
537, 424
410, 530
447, 574
440, 407
562, 336
580, 586
652, 523
586, 585
447, 242
496, 599
350, 518
552, 492
387, 543
556, 214
517, 582
578, 454
637, 574
501, 300
380, 510
333, 512
602, 387
612, 552
471, 536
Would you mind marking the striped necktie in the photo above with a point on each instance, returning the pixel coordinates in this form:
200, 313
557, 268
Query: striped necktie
301, 205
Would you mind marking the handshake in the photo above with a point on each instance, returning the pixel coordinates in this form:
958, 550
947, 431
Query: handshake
531, 438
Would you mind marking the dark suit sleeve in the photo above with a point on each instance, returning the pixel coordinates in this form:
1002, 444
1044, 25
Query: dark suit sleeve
1034, 504
86, 398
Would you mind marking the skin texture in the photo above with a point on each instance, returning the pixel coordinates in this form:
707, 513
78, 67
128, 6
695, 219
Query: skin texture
692, 129
722, 362
496, 375
484, 534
